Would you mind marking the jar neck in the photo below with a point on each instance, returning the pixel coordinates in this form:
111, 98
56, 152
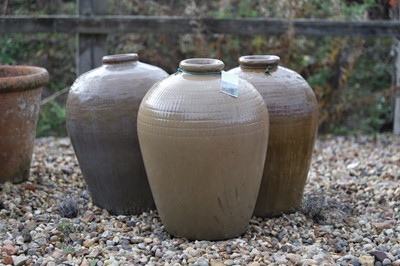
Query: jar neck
268, 63
119, 59
201, 66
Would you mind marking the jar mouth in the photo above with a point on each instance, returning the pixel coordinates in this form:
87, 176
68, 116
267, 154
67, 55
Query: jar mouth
15, 78
259, 61
202, 65
120, 58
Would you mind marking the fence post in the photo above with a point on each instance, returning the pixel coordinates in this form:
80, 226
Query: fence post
90, 47
396, 122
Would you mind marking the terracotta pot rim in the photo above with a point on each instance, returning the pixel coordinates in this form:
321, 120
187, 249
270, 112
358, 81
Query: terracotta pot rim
120, 58
16, 78
202, 65
258, 61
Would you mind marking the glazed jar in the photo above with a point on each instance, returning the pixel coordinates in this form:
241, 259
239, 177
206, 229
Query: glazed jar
101, 114
203, 150
293, 112
20, 96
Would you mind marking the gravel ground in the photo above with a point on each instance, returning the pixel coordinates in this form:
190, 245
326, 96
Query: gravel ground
350, 216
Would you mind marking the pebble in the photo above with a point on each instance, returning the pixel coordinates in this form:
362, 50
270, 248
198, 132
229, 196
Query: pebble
110, 243
19, 260
396, 263
94, 253
9, 249
280, 259
130, 223
158, 253
74, 237
137, 239
382, 225
293, 257
361, 216
89, 242
367, 260
190, 251
201, 262
214, 262
339, 246
8, 242
54, 239
229, 262
26, 236
31, 252
8, 260
379, 255
357, 239
306, 262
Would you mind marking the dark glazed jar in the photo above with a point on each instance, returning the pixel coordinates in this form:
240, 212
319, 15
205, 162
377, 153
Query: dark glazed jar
101, 116
20, 95
293, 112
204, 151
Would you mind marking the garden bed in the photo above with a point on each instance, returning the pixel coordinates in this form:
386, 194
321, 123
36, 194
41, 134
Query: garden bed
350, 215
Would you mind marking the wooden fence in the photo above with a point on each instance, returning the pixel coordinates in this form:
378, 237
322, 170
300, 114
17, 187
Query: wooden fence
92, 24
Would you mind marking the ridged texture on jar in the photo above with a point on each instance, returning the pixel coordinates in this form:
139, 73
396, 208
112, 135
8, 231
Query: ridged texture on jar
204, 153
101, 119
184, 108
293, 112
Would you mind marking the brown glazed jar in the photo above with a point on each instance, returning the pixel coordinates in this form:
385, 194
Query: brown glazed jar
101, 114
20, 95
293, 112
204, 151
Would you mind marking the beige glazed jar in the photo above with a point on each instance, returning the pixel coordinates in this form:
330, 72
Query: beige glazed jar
203, 151
101, 116
293, 112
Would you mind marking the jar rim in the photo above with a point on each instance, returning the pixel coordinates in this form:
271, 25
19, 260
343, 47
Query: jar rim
15, 78
261, 61
120, 58
202, 65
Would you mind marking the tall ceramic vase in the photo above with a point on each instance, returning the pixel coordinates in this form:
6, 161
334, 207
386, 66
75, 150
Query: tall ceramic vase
204, 151
293, 112
20, 95
101, 116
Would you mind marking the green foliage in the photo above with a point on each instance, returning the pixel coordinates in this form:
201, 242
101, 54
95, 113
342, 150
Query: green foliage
350, 76
243, 9
51, 120
69, 250
7, 45
66, 227
357, 10
40, 7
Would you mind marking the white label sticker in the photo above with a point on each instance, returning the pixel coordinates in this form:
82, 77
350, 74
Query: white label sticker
229, 84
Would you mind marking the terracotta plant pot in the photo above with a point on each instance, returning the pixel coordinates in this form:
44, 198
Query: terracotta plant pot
101, 113
204, 151
293, 112
20, 95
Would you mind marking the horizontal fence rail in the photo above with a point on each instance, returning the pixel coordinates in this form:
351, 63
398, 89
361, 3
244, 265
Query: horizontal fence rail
179, 25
